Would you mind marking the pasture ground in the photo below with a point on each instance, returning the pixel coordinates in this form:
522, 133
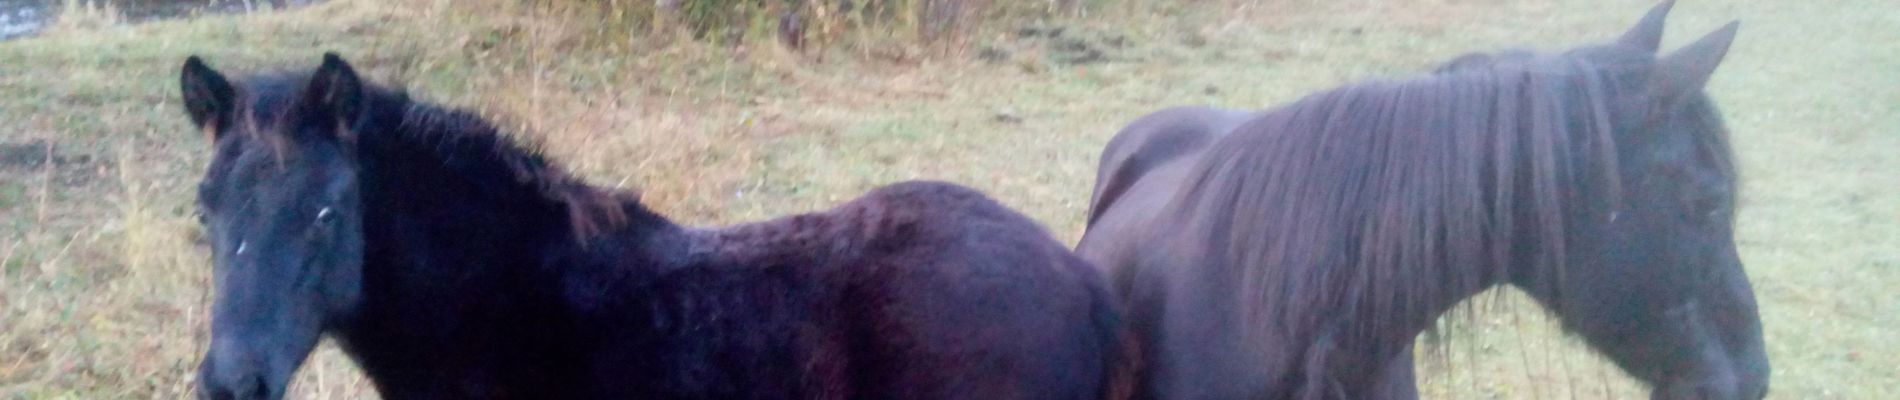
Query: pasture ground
102, 287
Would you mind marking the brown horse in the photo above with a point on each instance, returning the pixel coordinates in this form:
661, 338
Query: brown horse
452, 264
1298, 251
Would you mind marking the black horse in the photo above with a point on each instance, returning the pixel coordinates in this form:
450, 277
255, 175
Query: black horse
452, 264
1297, 252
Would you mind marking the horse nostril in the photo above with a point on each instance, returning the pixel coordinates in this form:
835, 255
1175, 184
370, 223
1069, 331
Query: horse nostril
257, 388
229, 380
253, 388
207, 392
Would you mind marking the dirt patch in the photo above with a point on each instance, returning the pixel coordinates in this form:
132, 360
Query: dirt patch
29, 154
1059, 45
37, 153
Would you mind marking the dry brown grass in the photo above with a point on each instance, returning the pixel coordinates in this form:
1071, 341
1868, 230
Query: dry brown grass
102, 286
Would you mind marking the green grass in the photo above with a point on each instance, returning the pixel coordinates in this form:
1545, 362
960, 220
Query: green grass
102, 290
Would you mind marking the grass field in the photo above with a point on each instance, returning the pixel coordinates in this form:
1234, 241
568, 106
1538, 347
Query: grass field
102, 287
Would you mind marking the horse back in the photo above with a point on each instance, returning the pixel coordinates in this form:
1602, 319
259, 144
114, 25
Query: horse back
1154, 141
937, 291
1141, 169
1012, 312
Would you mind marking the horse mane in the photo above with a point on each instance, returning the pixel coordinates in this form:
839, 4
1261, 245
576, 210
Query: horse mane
460, 140
1387, 200
456, 136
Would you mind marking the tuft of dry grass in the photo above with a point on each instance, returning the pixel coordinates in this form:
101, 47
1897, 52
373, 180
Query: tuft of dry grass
103, 287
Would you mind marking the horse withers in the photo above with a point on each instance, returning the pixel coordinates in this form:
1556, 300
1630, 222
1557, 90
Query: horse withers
1298, 253
450, 263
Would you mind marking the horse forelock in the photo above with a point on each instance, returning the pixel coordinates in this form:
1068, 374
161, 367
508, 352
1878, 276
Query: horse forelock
263, 102
1392, 200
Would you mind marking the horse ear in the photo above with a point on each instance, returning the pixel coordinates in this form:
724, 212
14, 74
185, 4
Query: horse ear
1687, 70
209, 98
335, 95
1647, 34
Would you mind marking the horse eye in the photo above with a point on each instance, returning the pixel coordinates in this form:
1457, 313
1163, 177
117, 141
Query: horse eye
325, 215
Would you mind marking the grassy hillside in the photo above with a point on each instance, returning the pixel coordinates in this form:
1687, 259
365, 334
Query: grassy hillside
102, 287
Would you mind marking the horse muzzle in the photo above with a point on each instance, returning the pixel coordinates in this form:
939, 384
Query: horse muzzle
1746, 381
229, 373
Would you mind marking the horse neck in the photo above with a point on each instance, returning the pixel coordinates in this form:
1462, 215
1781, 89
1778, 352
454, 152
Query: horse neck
415, 203
444, 183
459, 263
1427, 241
1539, 170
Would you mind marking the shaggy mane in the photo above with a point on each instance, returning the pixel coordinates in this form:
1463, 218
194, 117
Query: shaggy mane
462, 140
1372, 200
455, 134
